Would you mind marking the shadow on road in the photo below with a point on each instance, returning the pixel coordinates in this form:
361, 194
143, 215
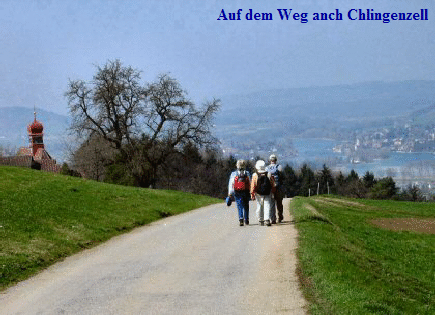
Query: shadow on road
278, 224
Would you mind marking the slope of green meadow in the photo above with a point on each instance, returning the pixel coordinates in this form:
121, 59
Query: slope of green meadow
45, 217
348, 265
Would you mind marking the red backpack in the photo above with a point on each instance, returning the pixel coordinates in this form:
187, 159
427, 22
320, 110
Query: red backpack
241, 182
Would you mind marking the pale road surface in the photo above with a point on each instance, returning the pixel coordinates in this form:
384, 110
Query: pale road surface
200, 262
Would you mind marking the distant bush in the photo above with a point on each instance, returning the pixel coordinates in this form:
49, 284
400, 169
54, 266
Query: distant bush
385, 188
65, 170
411, 193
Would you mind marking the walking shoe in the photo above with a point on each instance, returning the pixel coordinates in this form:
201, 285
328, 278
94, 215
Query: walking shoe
241, 222
247, 222
268, 223
262, 223
279, 220
273, 221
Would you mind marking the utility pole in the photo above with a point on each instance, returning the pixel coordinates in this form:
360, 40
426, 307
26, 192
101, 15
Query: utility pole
327, 184
318, 187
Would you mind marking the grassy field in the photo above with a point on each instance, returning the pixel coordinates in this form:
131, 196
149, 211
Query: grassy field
348, 265
45, 217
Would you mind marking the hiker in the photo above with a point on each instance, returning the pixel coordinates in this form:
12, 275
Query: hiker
238, 187
262, 189
276, 171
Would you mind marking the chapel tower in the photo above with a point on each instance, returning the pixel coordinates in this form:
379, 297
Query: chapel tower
35, 131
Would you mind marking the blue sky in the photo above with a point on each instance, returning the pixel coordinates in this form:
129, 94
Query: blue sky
46, 43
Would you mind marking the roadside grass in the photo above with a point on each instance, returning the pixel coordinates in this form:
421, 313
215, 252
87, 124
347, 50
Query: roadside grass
45, 217
347, 265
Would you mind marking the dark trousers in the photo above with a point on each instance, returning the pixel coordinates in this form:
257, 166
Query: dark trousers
242, 201
277, 206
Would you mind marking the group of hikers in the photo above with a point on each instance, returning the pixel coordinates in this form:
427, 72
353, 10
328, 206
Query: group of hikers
265, 186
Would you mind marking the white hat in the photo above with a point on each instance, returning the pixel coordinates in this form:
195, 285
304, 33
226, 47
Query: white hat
273, 158
260, 166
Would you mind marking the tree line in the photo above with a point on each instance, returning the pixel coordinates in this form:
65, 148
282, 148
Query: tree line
207, 172
306, 182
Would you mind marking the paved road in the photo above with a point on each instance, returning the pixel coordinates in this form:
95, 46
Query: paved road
199, 262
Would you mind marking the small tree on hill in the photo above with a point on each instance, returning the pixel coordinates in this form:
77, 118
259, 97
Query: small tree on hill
325, 179
411, 193
385, 188
307, 179
353, 175
369, 180
415, 193
93, 157
291, 181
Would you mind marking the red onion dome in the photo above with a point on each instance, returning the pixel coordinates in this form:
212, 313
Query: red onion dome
35, 127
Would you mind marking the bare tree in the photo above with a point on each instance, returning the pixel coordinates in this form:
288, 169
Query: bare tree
145, 123
110, 105
91, 158
173, 121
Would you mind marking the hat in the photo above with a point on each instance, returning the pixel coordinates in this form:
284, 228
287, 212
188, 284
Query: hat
273, 158
260, 166
228, 200
241, 164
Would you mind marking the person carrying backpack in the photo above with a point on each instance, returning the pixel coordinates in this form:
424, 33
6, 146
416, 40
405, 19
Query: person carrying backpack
262, 189
238, 187
276, 171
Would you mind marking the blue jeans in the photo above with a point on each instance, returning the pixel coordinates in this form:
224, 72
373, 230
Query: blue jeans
242, 201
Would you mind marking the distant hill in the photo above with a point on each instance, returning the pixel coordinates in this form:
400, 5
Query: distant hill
423, 117
298, 110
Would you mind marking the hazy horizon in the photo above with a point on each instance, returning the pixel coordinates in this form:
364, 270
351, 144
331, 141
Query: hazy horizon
46, 43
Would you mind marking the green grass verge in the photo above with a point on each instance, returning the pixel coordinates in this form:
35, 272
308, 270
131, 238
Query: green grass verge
45, 217
347, 265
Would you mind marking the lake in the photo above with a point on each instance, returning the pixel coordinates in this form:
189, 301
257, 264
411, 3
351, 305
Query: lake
403, 167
